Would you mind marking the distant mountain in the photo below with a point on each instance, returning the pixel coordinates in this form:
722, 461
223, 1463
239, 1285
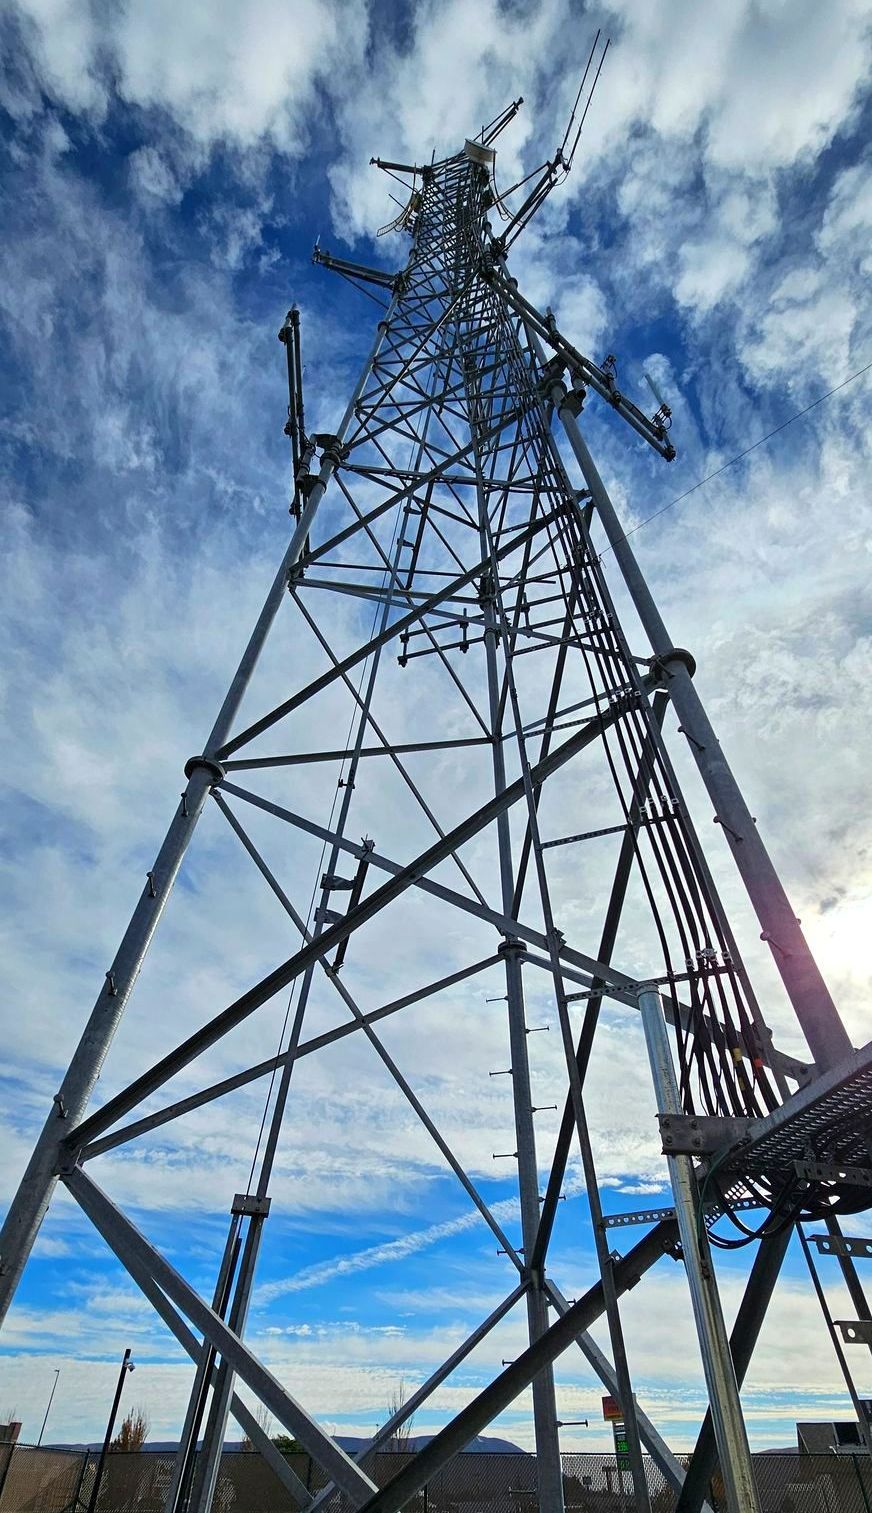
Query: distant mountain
482, 1444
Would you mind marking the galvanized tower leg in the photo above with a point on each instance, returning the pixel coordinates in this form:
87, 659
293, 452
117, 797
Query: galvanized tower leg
28, 1208
749, 1321
729, 1425
622, 1370
549, 1468
185, 1454
817, 1014
550, 1472
209, 1461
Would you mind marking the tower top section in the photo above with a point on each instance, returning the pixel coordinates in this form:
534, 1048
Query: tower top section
480, 150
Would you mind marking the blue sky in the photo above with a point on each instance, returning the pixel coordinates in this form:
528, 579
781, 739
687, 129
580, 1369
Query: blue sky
165, 172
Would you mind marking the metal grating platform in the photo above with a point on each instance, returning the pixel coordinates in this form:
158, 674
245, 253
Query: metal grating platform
829, 1121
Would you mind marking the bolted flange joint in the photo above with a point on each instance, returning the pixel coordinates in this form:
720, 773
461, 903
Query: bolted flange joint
332, 449
512, 947
552, 378
664, 660
208, 764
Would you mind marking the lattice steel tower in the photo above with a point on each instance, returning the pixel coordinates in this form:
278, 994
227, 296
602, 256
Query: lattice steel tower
454, 530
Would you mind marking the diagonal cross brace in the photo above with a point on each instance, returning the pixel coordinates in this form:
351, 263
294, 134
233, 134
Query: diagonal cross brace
413, 1403
243, 1415
615, 984
361, 1019
284, 974
608, 939
274, 1063
518, 1376
126, 1240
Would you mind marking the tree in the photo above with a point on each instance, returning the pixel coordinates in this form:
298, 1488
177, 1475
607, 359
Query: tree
401, 1438
264, 1422
133, 1432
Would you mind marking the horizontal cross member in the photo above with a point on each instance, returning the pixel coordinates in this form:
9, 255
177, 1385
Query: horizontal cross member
297, 759
273, 1063
388, 634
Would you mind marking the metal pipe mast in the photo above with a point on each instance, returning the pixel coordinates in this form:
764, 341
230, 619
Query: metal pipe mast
458, 616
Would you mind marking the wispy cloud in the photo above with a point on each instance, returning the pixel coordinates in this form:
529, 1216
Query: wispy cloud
400, 1249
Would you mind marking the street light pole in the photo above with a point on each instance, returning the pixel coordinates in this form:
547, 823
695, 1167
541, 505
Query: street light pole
48, 1405
126, 1365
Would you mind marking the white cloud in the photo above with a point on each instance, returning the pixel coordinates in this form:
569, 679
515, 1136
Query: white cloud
797, 336
710, 270
761, 84
848, 216
153, 177
65, 36
221, 75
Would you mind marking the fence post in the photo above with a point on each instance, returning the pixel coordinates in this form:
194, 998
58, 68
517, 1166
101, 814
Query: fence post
5, 1472
80, 1481
859, 1475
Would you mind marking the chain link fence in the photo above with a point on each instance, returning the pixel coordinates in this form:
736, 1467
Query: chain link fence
40, 1480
